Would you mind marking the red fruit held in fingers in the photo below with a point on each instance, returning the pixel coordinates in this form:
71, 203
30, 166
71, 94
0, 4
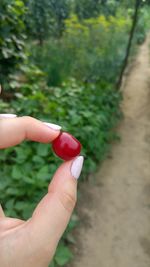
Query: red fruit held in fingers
66, 146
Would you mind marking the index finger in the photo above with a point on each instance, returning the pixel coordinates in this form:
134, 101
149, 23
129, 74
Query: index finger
13, 131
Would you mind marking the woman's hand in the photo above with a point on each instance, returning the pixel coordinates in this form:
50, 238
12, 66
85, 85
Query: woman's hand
33, 243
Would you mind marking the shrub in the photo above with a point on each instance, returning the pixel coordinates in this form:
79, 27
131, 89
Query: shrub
91, 51
88, 112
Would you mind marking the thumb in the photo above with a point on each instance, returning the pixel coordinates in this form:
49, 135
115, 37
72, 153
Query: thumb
52, 214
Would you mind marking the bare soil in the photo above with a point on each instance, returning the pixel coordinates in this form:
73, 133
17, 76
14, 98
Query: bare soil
115, 206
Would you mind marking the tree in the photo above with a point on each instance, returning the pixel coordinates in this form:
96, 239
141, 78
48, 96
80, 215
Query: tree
92, 8
87, 8
131, 35
12, 37
38, 19
60, 11
46, 17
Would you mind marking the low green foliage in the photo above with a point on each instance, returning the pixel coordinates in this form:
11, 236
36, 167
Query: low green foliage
88, 112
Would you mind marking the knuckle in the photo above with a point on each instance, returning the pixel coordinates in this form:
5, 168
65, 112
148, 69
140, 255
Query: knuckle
28, 119
68, 200
2, 225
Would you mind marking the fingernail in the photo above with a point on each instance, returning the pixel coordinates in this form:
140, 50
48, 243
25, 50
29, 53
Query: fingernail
7, 116
76, 167
53, 126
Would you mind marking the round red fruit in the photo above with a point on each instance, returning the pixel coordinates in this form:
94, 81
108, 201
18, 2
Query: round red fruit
66, 146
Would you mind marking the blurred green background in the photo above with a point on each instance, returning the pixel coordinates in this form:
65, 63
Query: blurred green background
60, 62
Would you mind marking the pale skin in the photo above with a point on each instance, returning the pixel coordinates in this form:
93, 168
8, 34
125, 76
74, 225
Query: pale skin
32, 243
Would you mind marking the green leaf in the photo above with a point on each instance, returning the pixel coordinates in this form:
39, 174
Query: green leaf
20, 205
28, 210
70, 238
22, 153
38, 159
9, 204
52, 264
13, 192
43, 173
16, 172
63, 255
43, 150
73, 222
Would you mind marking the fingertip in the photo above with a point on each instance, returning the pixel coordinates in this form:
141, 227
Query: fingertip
64, 182
54, 211
36, 130
76, 167
14, 131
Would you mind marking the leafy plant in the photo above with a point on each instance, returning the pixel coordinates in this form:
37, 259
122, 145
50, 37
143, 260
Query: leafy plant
26, 169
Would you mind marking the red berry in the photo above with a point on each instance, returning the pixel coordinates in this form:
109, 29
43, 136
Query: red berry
66, 146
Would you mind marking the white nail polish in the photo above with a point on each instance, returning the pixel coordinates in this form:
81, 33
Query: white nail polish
53, 126
7, 116
76, 167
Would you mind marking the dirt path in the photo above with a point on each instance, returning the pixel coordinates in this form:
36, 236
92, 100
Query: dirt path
116, 209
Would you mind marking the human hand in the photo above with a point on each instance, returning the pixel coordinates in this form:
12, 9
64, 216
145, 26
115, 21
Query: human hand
33, 243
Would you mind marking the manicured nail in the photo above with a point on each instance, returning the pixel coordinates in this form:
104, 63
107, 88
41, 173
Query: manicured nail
76, 167
7, 116
53, 126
